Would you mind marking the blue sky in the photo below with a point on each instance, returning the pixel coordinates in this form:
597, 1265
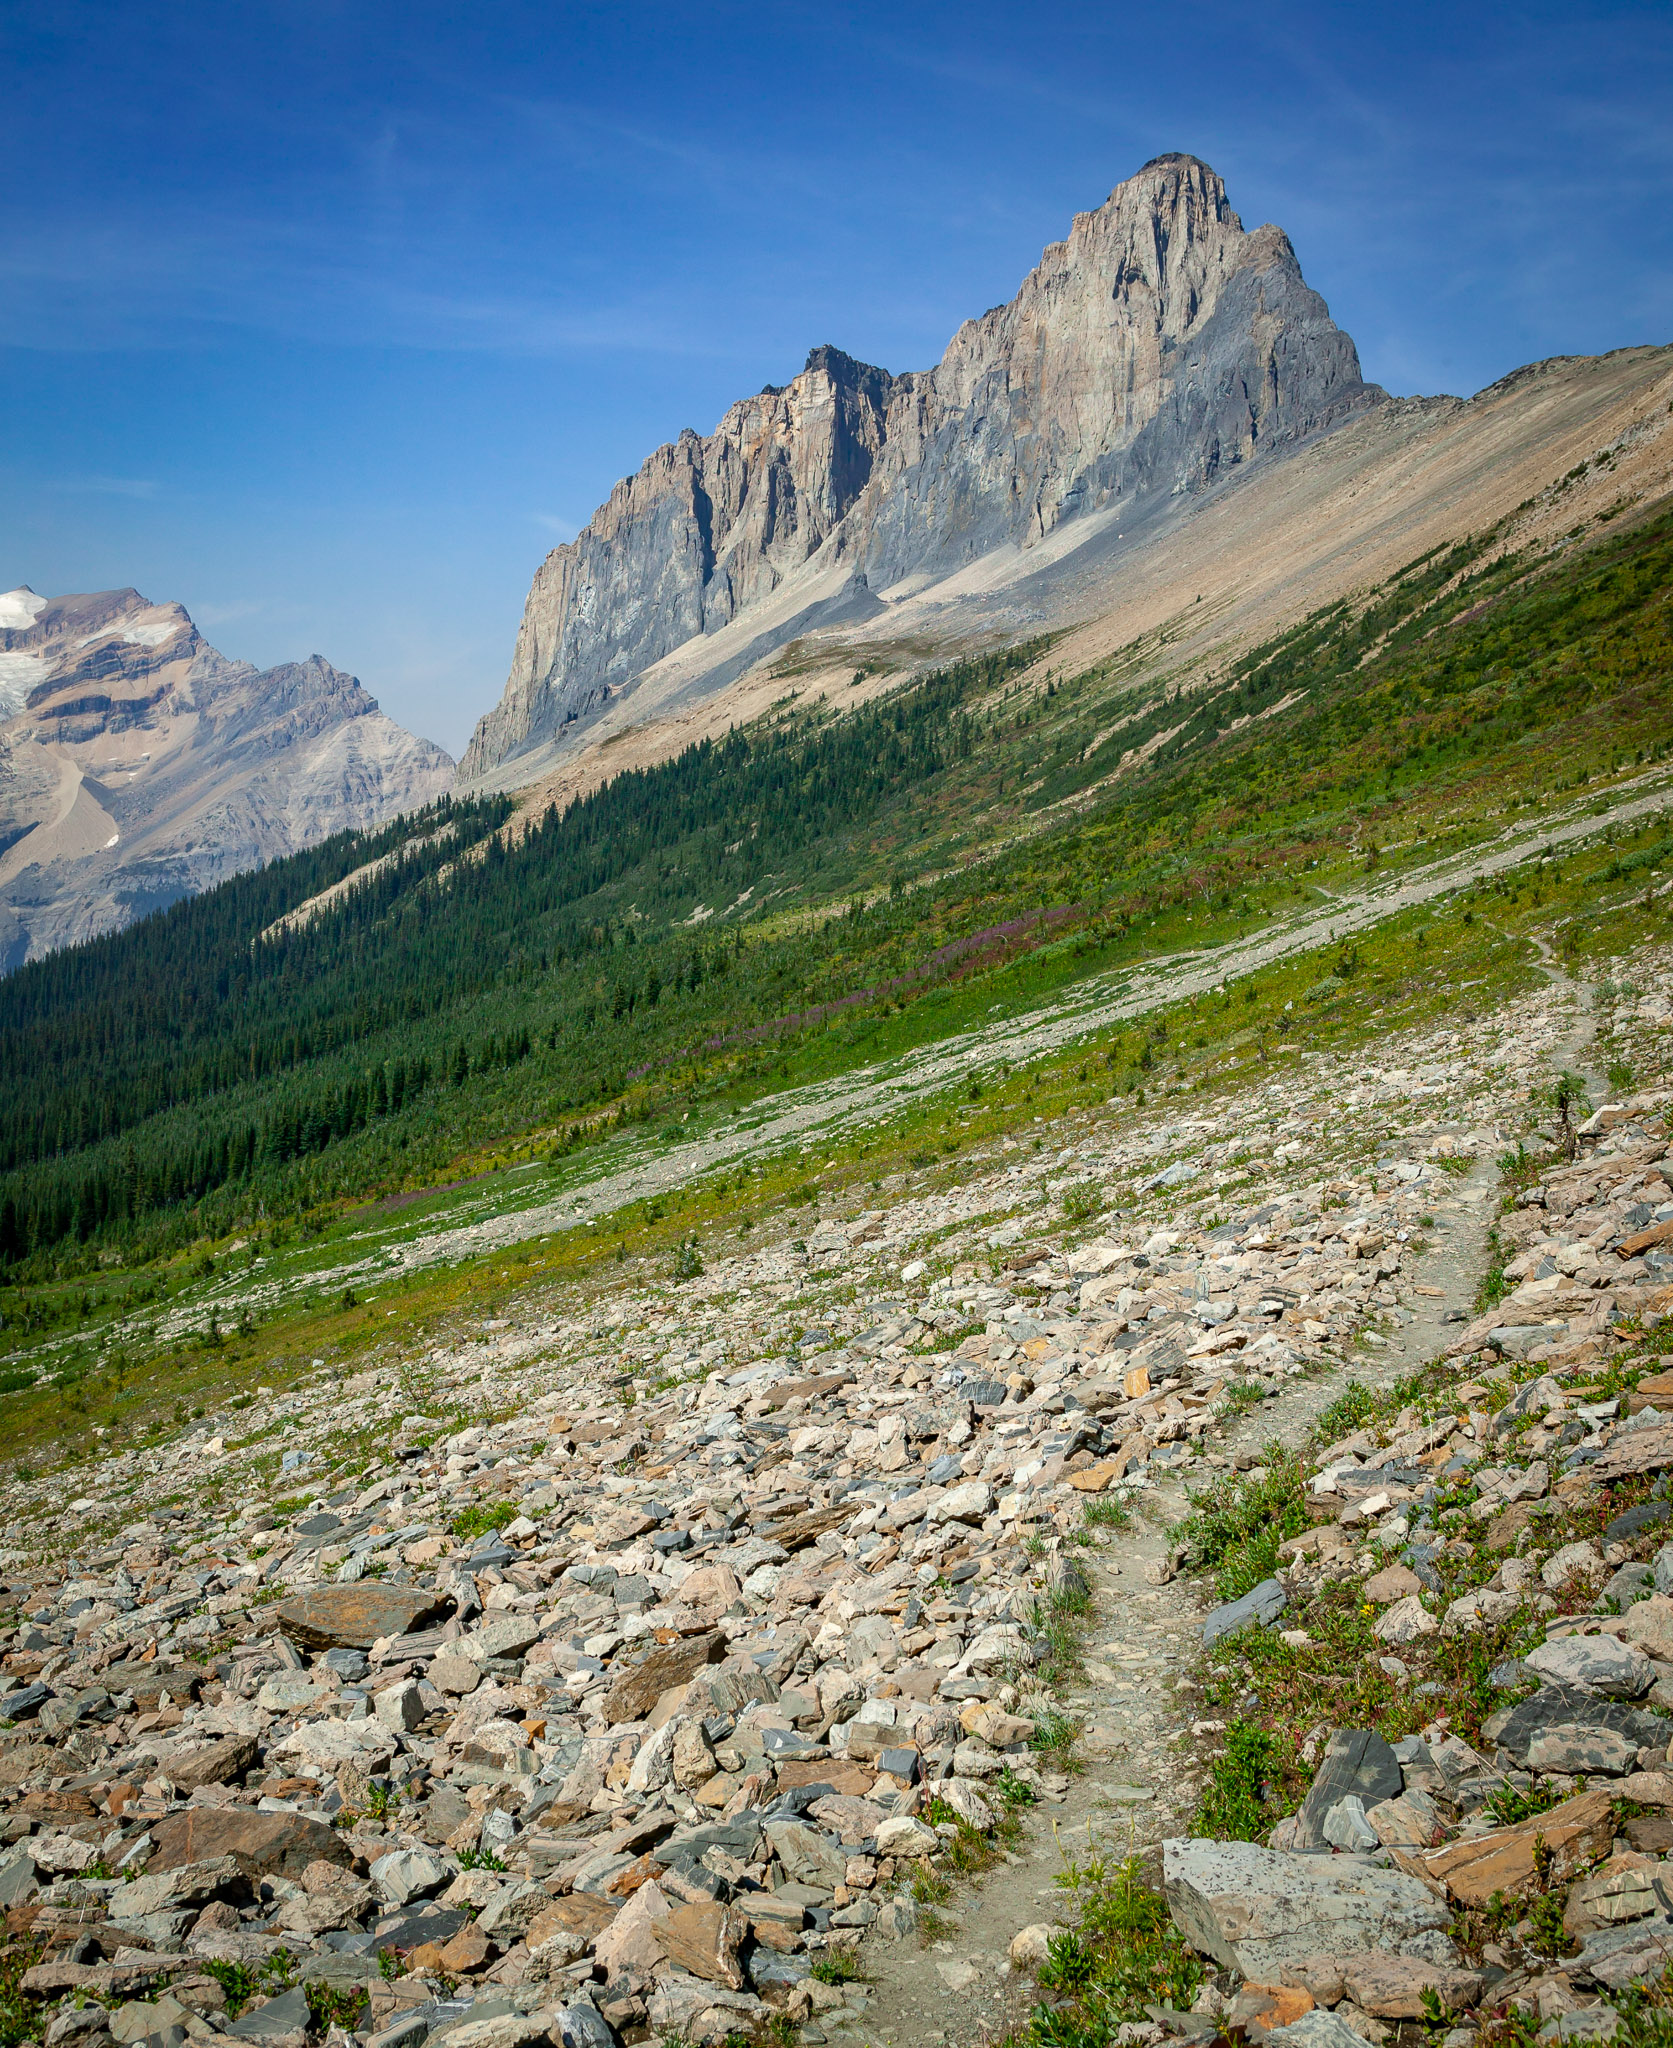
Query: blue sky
329, 319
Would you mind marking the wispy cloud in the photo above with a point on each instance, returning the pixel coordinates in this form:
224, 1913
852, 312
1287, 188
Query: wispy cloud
559, 527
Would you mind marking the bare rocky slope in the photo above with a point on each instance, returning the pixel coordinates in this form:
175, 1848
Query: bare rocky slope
139, 765
645, 1664
1157, 348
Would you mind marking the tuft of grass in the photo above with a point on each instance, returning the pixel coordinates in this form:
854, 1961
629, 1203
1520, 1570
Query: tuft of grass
1103, 1511
480, 1521
1239, 1802
1054, 1738
1236, 1525
1351, 1410
1508, 1805
1122, 1956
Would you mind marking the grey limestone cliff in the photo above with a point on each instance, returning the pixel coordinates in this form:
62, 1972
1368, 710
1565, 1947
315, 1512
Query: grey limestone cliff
1155, 348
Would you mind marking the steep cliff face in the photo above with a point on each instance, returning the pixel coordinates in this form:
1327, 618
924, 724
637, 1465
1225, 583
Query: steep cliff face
138, 765
708, 527
1155, 348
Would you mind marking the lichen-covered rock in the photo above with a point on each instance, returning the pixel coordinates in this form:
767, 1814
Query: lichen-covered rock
1257, 1911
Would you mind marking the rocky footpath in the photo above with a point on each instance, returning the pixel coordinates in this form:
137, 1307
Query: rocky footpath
641, 1666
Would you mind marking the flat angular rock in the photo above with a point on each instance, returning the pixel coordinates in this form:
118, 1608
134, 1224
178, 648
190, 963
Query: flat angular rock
1575, 1834
705, 1939
853, 1780
509, 1917
1619, 1956
1649, 1514
1626, 1888
581, 2026
581, 1913
635, 1693
505, 1635
278, 2020
808, 1854
408, 1874
502, 2030
1649, 1624
1409, 1822
1259, 1607
1635, 1451
900, 1835
354, 1617
1577, 1751
970, 1502
629, 1945
1356, 1761
1405, 1621
185, 1884
1391, 1987
399, 1707
686, 2009
450, 1673
1257, 1910
217, 1764
1565, 1708
262, 1844
1346, 1827
801, 1530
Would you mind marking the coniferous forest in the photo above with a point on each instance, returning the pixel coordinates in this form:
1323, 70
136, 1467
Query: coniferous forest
224, 1063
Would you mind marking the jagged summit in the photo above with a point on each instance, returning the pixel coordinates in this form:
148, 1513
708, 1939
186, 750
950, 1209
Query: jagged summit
1155, 347
138, 764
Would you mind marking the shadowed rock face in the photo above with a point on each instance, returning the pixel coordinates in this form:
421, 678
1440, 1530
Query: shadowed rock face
1154, 349
138, 765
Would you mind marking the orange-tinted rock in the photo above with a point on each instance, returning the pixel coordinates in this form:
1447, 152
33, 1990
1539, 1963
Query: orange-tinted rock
264, 1844
1575, 1834
704, 1939
216, 1764
635, 1693
581, 1913
468, 1950
853, 1779
354, 1617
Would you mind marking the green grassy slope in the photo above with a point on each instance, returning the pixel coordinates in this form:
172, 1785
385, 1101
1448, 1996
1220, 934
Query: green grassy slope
810, 894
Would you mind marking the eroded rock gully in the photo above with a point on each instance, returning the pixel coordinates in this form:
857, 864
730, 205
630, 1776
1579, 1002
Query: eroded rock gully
608, 1716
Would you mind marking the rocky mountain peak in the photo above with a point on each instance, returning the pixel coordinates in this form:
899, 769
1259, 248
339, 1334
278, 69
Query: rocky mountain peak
1156, 347
138, 764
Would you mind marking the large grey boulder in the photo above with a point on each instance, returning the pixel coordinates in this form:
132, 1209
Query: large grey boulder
1357, 1763
1258, 1911
408, 1874
1561, 1720
1259, 1607
1595, 1664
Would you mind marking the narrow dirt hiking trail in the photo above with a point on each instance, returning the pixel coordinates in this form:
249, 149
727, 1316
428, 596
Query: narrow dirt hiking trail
1141, 1763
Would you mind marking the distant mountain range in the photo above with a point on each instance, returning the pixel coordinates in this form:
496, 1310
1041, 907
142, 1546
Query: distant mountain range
139, 765
1157, 349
